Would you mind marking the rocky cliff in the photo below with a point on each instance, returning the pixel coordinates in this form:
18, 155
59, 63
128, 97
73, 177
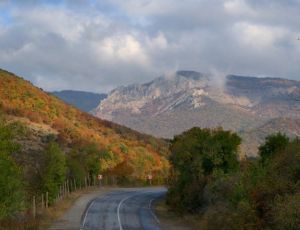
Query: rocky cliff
171, 104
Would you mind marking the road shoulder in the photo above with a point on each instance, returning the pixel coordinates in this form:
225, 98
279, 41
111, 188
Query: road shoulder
171, 220
71, 219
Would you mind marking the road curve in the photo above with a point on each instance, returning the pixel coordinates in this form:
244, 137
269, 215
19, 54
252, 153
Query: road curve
124, 209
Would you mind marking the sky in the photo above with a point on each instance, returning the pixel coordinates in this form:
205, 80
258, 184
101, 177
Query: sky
97, 45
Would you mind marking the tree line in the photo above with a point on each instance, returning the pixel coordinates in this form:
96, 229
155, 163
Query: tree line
28, 174
209, 181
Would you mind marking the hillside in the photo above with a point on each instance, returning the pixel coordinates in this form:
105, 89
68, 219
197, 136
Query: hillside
45, 116
255, 137
84, 101
169, 105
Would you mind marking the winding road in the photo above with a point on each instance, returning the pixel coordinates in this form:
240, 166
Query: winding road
123, 210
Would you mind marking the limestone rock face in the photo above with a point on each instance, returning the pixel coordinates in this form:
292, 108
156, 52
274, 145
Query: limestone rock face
171, 104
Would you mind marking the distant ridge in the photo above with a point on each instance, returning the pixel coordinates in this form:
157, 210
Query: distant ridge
85, 101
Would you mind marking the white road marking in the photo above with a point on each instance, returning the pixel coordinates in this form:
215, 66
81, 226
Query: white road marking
119, 206
152, 213
86, 213
127, 198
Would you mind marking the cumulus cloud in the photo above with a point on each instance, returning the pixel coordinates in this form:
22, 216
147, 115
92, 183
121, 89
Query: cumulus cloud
97, 45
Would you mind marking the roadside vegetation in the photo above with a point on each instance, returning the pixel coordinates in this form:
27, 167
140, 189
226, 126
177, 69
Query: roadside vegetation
209, 182
82, 134
47, 146
24, 175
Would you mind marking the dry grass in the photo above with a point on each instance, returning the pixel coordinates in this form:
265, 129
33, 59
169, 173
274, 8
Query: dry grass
171, 220
44, 217
59, 209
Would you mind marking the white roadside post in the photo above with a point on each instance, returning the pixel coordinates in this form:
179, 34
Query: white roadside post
150, 179
100, 177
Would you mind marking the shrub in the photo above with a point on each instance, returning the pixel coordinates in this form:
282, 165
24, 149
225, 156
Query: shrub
286, 212
11, 186
198, 156
54, 170
273, 144
12, 195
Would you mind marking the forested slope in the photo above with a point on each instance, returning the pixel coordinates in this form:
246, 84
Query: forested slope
116, 150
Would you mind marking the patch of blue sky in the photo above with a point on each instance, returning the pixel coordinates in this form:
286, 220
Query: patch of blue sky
5, 16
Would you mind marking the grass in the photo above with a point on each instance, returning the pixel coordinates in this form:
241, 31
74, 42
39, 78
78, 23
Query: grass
171, 220
44, 218
59, 209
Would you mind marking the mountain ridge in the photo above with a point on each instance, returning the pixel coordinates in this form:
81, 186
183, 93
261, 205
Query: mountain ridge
171, 104
85, 101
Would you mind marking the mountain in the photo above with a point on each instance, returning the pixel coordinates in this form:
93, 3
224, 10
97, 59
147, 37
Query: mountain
169, 105
254, 137
84, 101
46, 117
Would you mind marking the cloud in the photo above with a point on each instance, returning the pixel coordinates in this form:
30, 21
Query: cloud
259, 36
239, 7
97, 45
124, 48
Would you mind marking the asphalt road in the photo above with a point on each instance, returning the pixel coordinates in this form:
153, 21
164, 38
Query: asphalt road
123, 210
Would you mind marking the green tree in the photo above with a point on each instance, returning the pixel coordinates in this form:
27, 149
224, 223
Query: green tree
92, 155
54, 170
11, 187
272, 188
273, 144
76, 166
198, 156
12, 195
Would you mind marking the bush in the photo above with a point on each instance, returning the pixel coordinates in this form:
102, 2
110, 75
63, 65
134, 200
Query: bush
11, 186
54, 170
197, 157
12, 195
273, 144
264, 195
286, 212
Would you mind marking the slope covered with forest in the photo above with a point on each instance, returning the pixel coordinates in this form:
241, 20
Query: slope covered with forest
47, 117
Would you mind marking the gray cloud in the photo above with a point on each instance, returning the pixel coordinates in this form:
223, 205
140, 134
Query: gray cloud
98, 45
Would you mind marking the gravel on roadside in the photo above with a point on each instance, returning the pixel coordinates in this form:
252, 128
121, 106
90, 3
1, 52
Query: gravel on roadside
71, 220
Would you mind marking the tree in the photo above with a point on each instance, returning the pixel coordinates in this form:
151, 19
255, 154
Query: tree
92, 155
11, 186
54, 171
76, 166
273, 144
198, 156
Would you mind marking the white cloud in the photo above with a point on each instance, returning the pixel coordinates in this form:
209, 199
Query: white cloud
259, 36
97, 45
159, 42
124, 48
239, 7
150, 7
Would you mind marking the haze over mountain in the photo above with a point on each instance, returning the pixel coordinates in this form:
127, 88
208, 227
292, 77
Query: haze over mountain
86, 101
171, 104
